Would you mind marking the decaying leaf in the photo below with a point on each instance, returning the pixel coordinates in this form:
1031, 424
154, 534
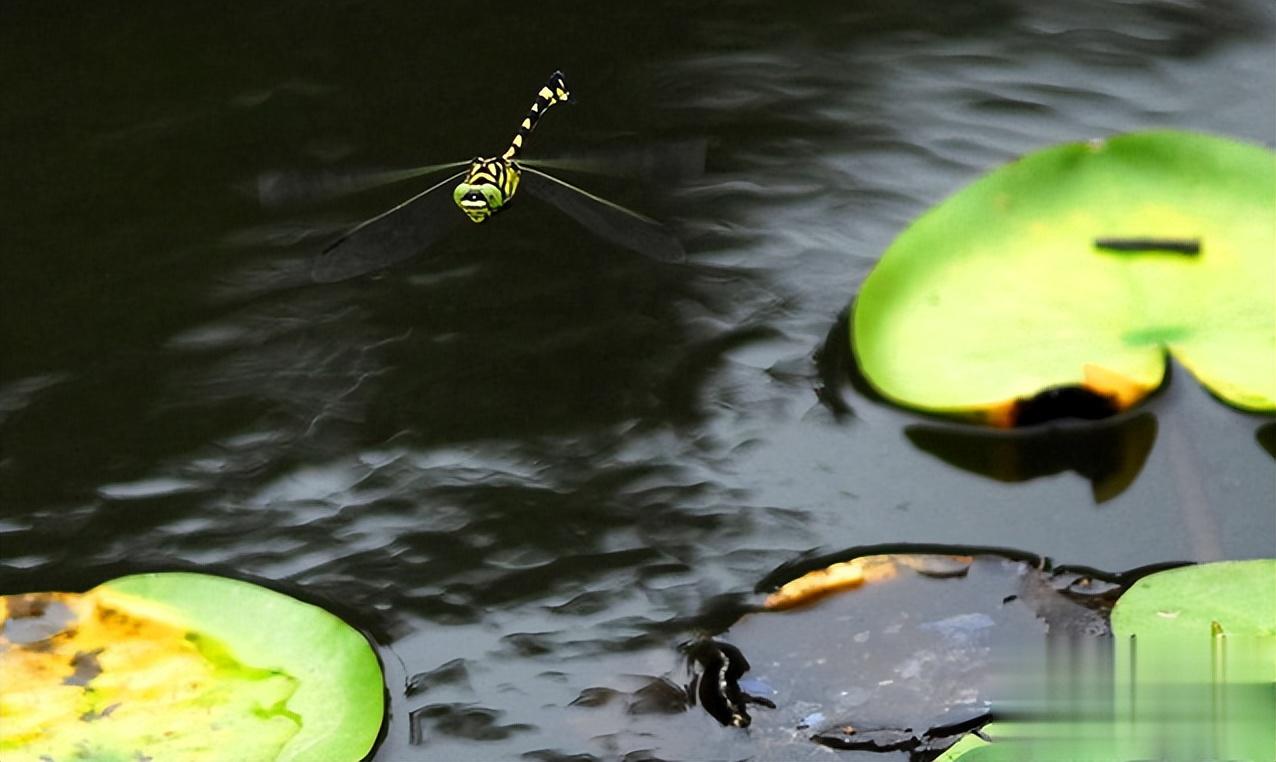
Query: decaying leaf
846, 575
123, 672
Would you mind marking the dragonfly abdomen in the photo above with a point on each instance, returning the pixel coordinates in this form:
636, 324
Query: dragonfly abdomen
554, 92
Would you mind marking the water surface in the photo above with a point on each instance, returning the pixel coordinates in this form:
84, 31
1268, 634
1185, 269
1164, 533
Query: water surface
528, 450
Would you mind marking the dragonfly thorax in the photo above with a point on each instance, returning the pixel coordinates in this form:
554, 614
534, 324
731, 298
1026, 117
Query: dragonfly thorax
487, 187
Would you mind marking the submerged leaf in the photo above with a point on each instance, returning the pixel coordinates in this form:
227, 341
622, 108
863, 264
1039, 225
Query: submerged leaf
847, 575
817, 584
182, 666
1061, 280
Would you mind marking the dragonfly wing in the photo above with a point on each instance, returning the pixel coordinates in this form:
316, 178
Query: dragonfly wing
661, 162
394, 235
607, 220
280, 188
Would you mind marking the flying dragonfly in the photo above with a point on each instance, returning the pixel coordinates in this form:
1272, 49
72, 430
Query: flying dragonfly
486, 187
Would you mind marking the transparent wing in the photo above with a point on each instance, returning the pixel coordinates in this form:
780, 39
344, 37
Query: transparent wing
280, 188
607, 220
396, 234
661, 162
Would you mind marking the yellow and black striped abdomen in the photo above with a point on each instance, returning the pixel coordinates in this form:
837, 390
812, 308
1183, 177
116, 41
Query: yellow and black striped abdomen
553, 92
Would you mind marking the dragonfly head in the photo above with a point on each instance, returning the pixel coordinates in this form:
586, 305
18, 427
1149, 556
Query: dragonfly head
478, 201
485, 189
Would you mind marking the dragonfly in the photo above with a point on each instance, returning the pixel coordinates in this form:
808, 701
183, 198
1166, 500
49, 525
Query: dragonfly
486, 187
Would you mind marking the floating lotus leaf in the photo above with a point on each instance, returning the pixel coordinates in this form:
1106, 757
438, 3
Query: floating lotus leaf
183, 666
1075, 269
1196, 659
1185, 609
1195, 671
890, 647
1238, 596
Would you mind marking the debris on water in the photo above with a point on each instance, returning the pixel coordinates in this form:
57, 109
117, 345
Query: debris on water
847, 575
811, 720
596, 696
938, 566
1052, 598
453, 672
717, 685
851, 738
658, 696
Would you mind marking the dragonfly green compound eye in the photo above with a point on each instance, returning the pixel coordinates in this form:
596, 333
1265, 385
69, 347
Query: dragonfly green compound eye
478, 201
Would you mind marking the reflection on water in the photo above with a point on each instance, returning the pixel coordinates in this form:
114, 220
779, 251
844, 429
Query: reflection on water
1110, 451
1266, 436
529, 454
1110, 455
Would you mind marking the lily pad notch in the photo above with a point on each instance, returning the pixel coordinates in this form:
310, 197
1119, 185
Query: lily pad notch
1063, 279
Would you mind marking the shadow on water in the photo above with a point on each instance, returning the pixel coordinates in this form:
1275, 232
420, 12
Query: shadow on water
1109, 452
1266, 436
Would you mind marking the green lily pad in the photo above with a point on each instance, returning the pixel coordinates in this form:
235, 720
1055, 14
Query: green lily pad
1237, 596
1195, 672
183, 666
1185, 609
1081, 265
1196, 659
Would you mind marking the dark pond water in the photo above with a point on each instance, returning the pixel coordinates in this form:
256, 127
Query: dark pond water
529, 459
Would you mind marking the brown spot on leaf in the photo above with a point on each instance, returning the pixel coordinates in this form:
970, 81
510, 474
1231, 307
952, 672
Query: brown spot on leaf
85, 666
91, 716
25, 606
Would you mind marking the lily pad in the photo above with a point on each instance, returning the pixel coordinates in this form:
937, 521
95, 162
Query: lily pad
1195, 671
183, 666
1229, 597
894, 647
1196, 659
1065, 277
